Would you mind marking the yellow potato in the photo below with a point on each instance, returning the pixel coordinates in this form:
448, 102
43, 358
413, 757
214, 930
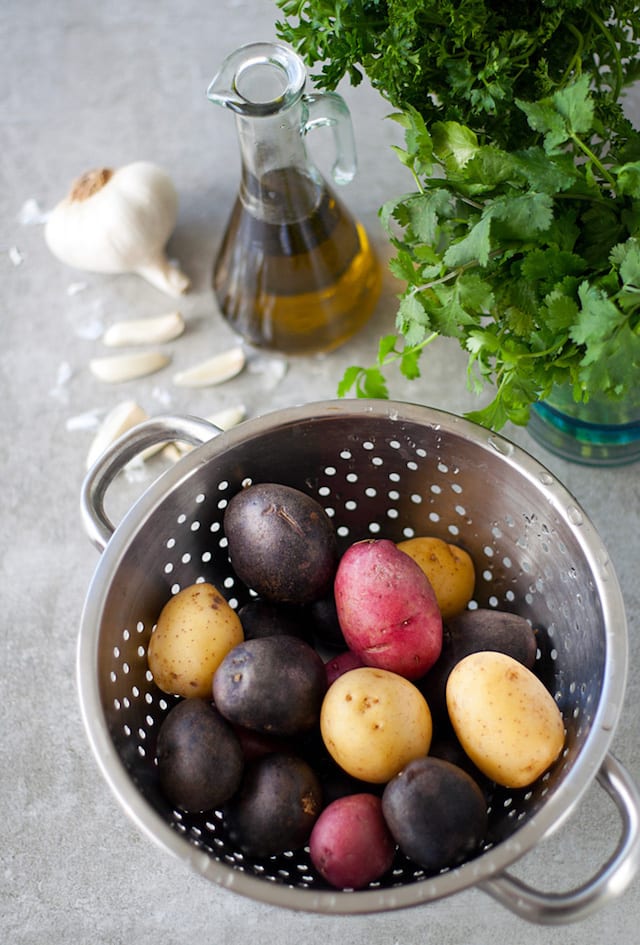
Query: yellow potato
449, 569
374, 722
195, 631
505, 719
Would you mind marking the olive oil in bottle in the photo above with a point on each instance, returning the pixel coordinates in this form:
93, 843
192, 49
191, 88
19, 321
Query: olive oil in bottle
298, 274
295, 271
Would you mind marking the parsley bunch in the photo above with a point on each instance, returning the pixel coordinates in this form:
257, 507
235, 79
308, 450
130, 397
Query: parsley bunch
522, 236
466, 60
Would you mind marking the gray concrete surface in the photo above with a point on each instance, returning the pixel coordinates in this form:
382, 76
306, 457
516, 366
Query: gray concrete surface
84, 85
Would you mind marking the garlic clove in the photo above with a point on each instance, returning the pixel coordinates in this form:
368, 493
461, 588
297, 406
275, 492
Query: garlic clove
228, 417
172, 452
224, 419
162, 274
115, 221
221, 367
121, 418
127, 367
140, 331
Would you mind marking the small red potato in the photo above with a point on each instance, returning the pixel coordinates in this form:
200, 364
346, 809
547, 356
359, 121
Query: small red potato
387, 608
340, 664
350, 844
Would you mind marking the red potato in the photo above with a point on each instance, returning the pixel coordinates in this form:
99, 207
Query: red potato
340, 664
387, 608
350, 844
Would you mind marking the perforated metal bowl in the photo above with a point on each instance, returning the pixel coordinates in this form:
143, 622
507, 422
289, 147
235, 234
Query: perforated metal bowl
380, 469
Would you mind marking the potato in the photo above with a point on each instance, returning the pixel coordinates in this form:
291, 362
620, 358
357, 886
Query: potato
505, 719
387, 608
324, 623
195, 631
341, 663
469, 632
450, 570
271, 684
199, 756
350, 844
282, 543
276, 807
264, 618
373, 722
436, 812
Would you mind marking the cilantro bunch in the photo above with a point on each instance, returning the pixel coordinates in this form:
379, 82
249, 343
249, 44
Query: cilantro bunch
522, 236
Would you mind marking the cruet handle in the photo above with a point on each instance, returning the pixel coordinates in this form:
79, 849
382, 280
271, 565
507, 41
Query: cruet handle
328, 109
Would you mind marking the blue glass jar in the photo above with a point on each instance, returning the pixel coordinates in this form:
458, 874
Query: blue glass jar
602, 432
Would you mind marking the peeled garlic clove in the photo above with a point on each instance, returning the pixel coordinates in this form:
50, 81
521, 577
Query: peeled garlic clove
140, 331
120, 419
223, 419
229, 417
127, 367
172, 452
215, 370
116, 221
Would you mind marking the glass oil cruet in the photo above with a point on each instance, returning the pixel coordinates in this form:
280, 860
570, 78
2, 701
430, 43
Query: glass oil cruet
295, 272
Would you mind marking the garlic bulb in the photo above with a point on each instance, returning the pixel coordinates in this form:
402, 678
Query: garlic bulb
116, 221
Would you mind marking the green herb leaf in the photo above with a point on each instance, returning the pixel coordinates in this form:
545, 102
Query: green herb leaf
521, 238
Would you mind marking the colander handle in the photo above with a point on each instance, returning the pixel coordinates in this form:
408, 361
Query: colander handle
610, 880
149, 433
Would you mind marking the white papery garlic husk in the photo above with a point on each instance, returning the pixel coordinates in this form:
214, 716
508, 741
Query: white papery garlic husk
119, 221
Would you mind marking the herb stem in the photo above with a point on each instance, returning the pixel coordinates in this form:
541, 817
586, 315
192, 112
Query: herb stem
586, 150
394, 356
576, 59
606, 32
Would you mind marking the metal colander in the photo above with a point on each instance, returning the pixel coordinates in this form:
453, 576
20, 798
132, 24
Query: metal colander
380, 469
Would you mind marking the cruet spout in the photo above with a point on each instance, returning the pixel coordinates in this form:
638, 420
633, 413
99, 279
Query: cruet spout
258, 79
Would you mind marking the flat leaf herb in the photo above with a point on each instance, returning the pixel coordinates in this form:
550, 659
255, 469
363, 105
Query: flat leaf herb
522, 237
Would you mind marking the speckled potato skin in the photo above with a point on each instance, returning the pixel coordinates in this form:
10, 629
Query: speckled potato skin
505, 719
195, 631
373, 722
449, 569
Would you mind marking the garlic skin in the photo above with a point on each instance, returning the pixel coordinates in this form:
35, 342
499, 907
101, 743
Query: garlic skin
119, 221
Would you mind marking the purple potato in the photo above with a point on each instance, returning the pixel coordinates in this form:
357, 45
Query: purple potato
282, 543
273, 685
200, 759
436, 813
276, 807
265, 618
